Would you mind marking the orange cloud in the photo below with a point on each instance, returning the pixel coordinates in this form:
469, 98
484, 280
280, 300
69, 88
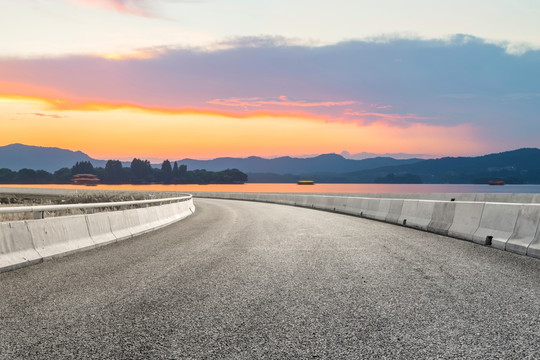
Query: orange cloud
64, 104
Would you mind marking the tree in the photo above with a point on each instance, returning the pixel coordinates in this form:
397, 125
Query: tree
166, 172
141, 171
62, 176
7, 176
175, 173
182, 174
82, 167
114, 172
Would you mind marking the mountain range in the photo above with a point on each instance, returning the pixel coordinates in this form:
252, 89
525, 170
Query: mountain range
516, 166
19, 156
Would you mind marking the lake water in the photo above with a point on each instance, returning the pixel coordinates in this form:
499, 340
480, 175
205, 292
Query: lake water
317, 188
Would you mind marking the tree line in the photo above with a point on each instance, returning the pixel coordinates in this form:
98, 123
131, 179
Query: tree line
139, 172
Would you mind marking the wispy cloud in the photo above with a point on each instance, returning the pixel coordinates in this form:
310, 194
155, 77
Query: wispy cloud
144, 8
54, 116
278, 101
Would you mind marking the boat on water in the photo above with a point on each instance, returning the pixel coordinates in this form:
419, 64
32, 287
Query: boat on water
306, 182
496, 182
85, 179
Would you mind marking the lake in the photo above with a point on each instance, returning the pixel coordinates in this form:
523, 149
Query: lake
317, 188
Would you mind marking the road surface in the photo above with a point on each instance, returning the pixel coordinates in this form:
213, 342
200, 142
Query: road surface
245, 280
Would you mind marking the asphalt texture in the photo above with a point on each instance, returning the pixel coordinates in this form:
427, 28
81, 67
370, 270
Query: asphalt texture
245, 280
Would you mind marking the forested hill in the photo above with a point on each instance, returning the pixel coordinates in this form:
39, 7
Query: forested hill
18, 156
516, 166
329, 163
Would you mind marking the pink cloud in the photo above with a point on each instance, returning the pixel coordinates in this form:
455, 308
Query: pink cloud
54, 116
50, 115
133, 7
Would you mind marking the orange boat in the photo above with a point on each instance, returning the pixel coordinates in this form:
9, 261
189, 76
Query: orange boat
496, 182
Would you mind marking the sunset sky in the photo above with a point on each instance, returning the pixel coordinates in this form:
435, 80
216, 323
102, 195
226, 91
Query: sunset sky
159, 79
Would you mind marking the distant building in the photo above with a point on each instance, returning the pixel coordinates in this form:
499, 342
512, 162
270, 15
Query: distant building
85, 179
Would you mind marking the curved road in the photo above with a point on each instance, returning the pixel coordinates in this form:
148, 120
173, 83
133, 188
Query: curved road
242, 280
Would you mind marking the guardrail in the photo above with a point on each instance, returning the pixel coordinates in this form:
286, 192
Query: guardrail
27, 242
39, 210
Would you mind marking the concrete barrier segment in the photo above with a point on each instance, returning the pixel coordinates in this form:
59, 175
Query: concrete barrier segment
60, 235
99, 228
379, 209
119, 225
526, 229
408, 211
136, 224
534, 247
466, 221
16, 246
394, 211
355, 206
442, 217
497, 224
371, 210
417, 213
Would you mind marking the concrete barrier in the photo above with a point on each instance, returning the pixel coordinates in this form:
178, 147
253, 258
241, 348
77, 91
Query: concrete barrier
442, 217
119, 225
60, 235
534, 247
417, 213
99, 227
28, 242
526, 229
394, 211
497, 224
466, 221
16, 247
371, 209
382, 209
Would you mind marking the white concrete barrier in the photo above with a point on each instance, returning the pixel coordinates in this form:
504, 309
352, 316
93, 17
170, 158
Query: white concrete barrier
16, 247
99, 227
356, 206
442, 217
466, 221
371, 210
27, 242
497, 224
394, 212
119, 225
417, 213
534, 247
60, 235
526, 229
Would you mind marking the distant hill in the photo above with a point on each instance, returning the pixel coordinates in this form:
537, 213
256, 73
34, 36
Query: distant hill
516, 166
328, 163
19, 156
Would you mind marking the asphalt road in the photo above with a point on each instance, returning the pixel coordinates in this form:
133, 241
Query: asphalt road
241, 280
